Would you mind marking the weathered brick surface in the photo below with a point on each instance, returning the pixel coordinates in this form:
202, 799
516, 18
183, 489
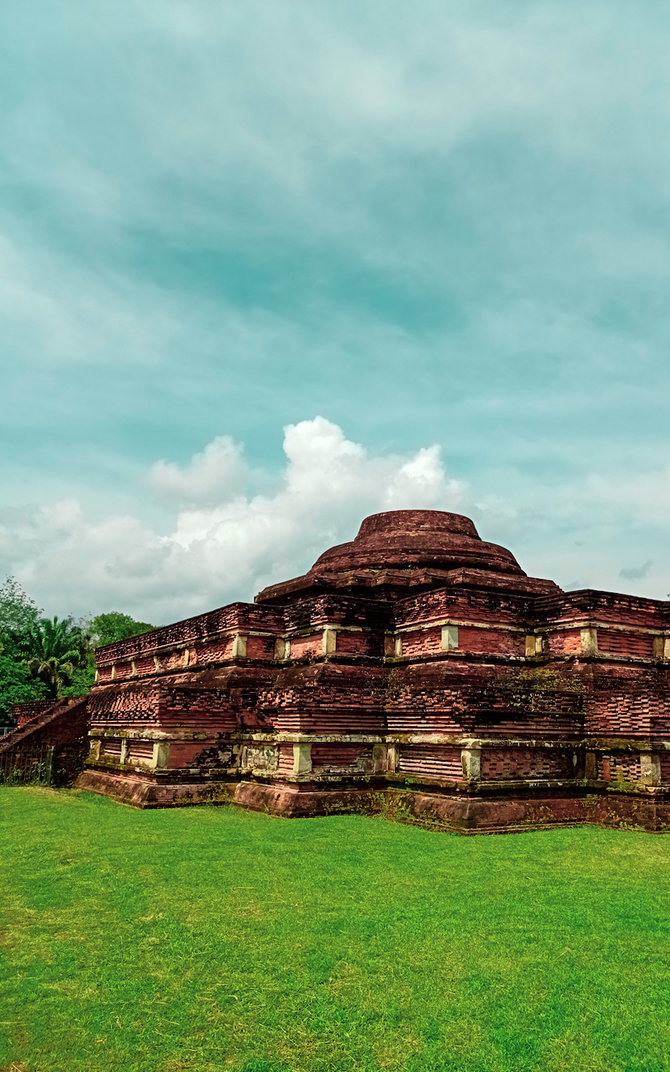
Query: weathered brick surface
21, 713
306, 645
334, 756
61, 727
476, 604
491, 641
124, 705
431, 762
367, 643
285, 761
140, 751
620, 642
421, 642
186, 753
619, 766
602, 606
515, 763
237, 617
260, 648
564, 641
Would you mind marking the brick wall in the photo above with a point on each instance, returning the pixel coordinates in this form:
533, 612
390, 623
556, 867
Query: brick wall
479, 606
306, 645
237, 617
24, 712
186, 753
491, 641
336, 608
354, 643
285, 763
421, 642
618, 642
62, 727
501, 764
604, 606
564, 642
260, 648
140, 751
634, 705
619, 767
126, 705
341, 756
431, 761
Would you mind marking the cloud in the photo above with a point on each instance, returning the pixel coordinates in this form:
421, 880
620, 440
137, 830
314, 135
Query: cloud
442, 224
227, 549
211, 475
636, 573
225, 529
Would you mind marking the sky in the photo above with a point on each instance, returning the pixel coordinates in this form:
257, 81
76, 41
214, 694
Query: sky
267, 268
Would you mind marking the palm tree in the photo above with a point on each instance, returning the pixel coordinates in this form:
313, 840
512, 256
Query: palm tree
53, 650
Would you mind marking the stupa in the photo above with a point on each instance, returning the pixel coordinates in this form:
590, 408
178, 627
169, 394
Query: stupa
416, 671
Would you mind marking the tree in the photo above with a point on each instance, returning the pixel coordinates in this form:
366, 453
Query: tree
52, 651
17, 685
112, 626
18, 614
50, 657
103, 629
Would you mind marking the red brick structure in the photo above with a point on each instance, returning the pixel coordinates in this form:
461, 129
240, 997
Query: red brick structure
50, 734
22, 713
416, 671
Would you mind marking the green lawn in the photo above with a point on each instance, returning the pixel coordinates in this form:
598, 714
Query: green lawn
212, 938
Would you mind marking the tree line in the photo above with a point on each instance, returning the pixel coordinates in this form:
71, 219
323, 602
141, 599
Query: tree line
48, 658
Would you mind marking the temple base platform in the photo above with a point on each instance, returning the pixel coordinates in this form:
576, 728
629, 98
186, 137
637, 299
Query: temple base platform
458, 812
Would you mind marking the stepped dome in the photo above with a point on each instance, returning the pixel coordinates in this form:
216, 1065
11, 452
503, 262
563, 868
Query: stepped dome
402, 549
408, 538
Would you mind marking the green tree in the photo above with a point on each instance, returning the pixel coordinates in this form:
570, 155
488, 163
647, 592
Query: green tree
42, 657
105, 628
18, 615
112, 626
53, 650
17, 685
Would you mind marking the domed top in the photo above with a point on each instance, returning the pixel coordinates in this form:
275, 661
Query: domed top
403, 549
417, 521
424, 538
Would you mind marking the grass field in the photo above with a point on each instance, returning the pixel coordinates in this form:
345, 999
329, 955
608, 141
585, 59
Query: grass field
211, 938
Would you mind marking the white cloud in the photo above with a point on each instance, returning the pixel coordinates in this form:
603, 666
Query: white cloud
227, 549
209, 476
421, 481
583, 532
64, 515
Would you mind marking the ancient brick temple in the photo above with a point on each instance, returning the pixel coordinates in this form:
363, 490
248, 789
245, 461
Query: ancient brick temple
416, 671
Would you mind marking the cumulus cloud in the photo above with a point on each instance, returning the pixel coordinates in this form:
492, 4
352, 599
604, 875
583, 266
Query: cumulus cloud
209, 476
223, 539
234, 541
